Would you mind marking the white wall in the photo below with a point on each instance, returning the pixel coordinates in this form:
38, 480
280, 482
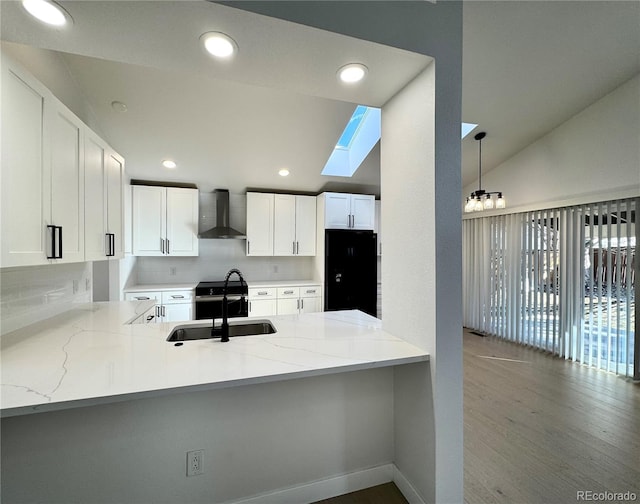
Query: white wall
594, 155
255, 439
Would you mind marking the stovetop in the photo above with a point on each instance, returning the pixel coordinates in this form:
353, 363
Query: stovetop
216, 287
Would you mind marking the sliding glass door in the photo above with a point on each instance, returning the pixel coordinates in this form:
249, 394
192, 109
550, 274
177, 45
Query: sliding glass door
562, 280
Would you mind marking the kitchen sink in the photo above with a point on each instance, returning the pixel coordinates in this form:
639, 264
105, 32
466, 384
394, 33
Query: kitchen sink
236, 328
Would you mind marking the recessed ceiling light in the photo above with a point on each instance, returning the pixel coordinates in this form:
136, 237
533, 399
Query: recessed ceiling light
118, 106
283, 172
167, 163
352, 73
219, 45
47, 12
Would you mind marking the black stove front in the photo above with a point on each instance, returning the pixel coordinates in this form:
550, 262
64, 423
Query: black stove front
209, 297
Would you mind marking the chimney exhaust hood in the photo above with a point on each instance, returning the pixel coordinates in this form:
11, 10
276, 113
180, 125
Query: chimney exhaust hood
222, 230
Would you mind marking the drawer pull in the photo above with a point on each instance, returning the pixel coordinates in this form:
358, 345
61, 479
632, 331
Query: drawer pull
311, 291
262, 293
177, 296
288, 292
142, 298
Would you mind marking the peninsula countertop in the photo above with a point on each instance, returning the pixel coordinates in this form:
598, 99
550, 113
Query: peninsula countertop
90, 356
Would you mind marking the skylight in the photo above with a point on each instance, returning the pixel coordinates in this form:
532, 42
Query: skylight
358, 138
467, 128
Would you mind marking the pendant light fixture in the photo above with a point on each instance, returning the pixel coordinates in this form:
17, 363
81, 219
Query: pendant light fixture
480, 199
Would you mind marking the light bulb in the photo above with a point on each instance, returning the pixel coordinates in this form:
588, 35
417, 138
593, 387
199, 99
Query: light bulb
478, 206
500, 202
47, 12
219, 45
488, 202
352, 73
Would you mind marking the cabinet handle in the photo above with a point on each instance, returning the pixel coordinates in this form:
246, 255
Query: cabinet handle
288, 292
167, 246
297, 248
249, 306
150, 318
262, 293
162, 245
164, 313
56, 242
293, 250
311, 291
248, 247
141, 298
110, 244
297, 304
157, 311
302, 304
177, 296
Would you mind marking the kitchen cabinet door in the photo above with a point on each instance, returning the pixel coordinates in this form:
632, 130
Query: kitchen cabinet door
284, 225
337, 211
67, 182
310, 305
177, 312
362, 211
260, 224
288, 306
26, 177
262, 307
306, 224
115, 206
103, 190
149, 220
182, 222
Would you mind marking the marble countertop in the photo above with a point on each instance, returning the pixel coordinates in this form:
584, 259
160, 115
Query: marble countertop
250, 283
281, 283
90, 356
159, 287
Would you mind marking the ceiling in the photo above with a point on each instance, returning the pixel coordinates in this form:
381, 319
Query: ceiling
527, 68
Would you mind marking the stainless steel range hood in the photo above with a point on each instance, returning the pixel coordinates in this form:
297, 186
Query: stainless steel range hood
222, 230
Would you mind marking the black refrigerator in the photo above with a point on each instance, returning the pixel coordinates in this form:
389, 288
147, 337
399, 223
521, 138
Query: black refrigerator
350, 271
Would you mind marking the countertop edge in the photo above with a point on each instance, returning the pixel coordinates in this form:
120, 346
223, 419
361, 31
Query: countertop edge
254, 380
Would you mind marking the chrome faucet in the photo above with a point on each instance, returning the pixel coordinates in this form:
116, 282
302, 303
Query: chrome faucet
224, 328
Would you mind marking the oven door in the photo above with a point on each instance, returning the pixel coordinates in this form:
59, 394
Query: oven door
210, 307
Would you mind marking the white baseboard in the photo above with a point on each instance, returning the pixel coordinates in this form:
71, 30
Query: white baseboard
405, 487
338, 485
327, 488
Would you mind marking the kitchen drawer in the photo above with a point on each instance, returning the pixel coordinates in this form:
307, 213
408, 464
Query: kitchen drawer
262, 293
288, 292
311, 291
143, 296
174, 297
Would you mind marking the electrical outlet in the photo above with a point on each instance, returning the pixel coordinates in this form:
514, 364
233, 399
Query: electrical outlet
172, 271
195, 461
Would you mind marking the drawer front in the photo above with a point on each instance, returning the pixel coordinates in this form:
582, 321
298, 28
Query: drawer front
174, 297
288, 292
143, 296
311, 291
264, 293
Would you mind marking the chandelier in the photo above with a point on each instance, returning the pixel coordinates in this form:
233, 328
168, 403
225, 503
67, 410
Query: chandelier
480, 199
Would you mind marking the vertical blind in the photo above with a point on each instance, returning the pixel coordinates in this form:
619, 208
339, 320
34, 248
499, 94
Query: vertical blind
560, 279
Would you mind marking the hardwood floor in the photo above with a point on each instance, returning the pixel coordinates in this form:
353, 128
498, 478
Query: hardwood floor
380, 494
539, 429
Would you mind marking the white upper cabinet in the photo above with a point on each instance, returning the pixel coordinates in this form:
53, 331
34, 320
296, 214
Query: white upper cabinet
260, 221
104, 183
348, 211
294, 225
67, 185
45, 193
165, 221
26, 177
182, 221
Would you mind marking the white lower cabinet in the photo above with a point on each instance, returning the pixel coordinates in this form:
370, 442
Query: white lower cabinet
282, 299
262, 302
171, 306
